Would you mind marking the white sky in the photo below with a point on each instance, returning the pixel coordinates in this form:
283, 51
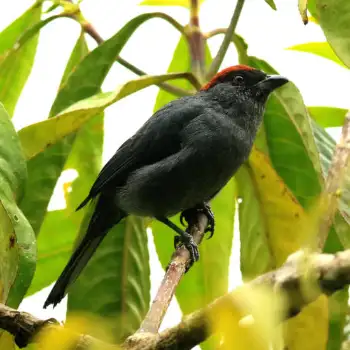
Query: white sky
268, 33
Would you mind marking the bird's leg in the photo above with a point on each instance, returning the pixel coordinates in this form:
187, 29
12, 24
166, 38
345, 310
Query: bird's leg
204, 208
185, 238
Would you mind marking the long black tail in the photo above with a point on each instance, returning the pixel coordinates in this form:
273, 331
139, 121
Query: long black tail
105, 216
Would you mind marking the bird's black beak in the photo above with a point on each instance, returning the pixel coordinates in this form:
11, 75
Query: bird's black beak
271, 83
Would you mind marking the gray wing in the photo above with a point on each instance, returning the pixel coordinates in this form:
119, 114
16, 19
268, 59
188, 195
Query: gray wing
157, 139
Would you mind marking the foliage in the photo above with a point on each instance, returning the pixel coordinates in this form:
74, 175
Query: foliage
274, 193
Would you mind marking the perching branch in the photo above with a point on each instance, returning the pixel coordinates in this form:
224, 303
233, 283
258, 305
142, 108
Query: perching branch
325, 273
175, 271
215, 65
334, 182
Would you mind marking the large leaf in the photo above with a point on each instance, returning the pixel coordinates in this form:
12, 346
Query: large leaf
60, 228
83, 82
289, 136
276, 228
16, 60
17, 249
334, 20
116, 282
321, 49
328, 117
289, 142
37, 137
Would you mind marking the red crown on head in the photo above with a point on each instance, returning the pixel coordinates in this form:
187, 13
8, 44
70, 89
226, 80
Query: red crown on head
224, 72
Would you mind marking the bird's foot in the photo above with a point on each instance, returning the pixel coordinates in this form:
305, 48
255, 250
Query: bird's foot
187, 240
205, 209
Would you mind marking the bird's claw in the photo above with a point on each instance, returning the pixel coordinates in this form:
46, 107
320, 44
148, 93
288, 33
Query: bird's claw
206, 210
187, 240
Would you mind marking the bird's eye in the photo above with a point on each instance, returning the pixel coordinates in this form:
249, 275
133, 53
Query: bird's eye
238, 79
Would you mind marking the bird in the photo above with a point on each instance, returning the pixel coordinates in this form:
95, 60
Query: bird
176, 162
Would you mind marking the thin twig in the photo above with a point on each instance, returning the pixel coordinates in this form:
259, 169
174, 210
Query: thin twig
334, 182
175, 271
215, 65
215, 32
90, 30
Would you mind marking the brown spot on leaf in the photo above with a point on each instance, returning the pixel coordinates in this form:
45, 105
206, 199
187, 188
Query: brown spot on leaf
12, 240
262, 176
296, 215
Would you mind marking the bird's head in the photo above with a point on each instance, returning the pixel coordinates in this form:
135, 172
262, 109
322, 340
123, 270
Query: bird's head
245, 80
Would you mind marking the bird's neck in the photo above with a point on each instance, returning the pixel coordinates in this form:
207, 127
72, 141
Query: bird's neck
241, 108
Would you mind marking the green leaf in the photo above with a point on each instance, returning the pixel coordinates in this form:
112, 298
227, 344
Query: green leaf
182, 3
17, 252
85, 158
55, 244
289, 136
83, 82
322, 49
272, 4
116, 282
328, 117
37, 137
16, 60
256, 256
334, 20
287, 139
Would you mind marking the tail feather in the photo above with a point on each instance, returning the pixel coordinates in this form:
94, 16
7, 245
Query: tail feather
101, 222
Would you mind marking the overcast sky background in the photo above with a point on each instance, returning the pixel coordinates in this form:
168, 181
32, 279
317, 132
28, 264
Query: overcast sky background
267, 33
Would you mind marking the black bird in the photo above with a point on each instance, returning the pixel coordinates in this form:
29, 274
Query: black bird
176, 162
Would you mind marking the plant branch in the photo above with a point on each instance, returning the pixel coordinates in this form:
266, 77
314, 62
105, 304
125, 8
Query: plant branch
327, 273
90, 30
196, 42
215, 65
175, 271
215, 32
334, 182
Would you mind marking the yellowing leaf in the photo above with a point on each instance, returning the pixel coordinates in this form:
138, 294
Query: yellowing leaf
322, 49
182, 3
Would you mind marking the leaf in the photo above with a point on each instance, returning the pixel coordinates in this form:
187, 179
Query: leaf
321, 49
272, 4
16, 60
85, 158
37, 137
287, 138
55, 244
302, 6
328, 117
116, 282
83, 82
17, 249
334, 20
281, 221
182, 3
